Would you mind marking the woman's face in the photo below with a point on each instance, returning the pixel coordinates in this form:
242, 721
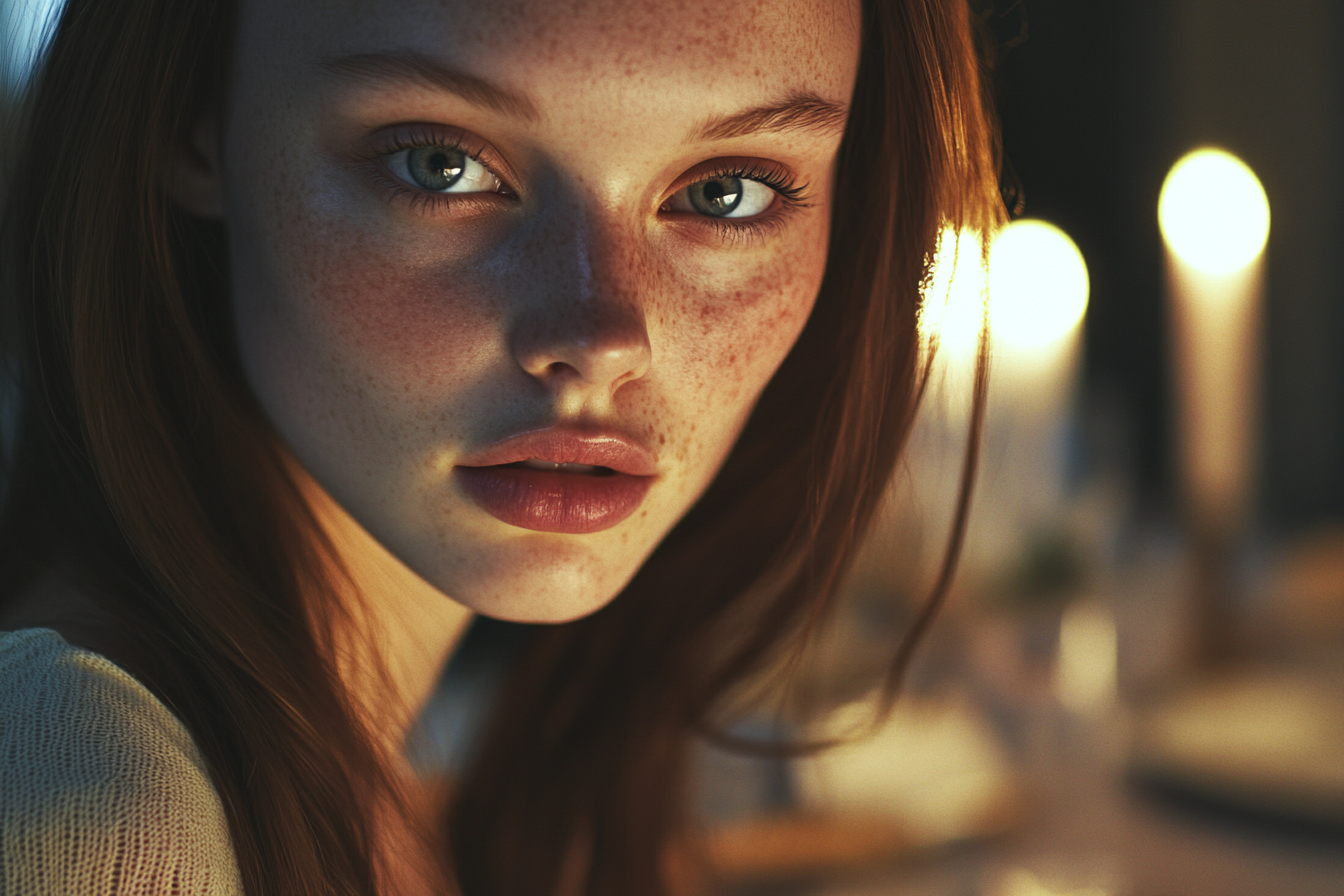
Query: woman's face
509, 276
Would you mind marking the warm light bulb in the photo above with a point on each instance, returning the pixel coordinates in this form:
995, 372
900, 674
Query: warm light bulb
1038, 285
1213, 212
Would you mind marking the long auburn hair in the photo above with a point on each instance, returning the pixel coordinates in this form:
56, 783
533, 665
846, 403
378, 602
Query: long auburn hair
140, 465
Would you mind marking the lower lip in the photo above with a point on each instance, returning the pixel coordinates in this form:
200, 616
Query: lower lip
546, 501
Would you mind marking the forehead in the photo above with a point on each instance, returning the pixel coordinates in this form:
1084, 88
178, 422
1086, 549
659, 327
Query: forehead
608, 51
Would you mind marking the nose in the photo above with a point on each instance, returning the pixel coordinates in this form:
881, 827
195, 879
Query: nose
583, 331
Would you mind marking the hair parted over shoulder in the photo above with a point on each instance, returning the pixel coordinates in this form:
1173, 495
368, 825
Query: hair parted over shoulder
142, 467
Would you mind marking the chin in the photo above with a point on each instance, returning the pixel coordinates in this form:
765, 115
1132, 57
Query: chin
543, 579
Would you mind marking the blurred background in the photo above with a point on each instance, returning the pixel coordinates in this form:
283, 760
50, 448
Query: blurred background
1137, 685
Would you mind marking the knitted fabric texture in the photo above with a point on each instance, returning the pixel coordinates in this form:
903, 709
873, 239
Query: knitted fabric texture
102, 791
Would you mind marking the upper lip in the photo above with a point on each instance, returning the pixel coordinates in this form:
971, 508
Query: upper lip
597, 448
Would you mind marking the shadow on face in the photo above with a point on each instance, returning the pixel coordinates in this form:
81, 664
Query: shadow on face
558, 249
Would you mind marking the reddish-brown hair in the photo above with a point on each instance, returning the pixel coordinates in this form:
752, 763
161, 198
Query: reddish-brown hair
141, 466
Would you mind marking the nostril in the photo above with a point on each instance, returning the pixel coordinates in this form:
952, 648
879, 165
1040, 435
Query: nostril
603, 352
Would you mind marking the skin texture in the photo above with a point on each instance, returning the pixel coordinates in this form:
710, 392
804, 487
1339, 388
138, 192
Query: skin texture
388, 335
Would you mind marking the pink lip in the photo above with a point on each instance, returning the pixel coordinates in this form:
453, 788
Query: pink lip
550, 501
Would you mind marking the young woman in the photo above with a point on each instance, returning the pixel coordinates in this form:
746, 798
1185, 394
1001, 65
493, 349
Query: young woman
330, 325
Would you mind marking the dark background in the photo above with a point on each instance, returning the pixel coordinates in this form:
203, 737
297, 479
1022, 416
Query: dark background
1097, 103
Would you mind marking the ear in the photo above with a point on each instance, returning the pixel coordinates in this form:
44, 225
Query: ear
195, 177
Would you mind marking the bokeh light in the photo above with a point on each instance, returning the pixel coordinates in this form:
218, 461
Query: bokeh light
1213, 212
1085, 671
1038, 285
1037, 288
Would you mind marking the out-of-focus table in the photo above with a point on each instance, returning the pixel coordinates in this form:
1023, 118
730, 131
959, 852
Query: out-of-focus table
1090, 823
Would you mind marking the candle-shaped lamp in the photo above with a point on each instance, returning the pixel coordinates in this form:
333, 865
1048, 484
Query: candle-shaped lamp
1038, 288
1037, 291
1214, 217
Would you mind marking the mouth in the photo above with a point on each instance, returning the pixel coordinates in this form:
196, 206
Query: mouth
559, 480
548, 466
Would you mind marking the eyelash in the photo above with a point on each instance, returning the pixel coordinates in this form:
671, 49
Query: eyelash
792, 195
414, 138
774, 176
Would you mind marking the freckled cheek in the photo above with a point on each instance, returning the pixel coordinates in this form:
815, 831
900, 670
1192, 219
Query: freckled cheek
735, 324
721, 334
404, 319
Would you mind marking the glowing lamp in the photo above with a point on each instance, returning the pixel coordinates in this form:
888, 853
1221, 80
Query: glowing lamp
1213, 212
1032, 290
1038, 286
1215, 221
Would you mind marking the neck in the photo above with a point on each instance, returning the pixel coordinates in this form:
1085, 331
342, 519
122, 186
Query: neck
396, 630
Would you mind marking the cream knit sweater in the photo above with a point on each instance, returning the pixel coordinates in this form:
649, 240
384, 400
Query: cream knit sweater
102, 791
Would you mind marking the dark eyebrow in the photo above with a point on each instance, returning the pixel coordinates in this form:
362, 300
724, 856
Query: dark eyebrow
408, 66
798, 112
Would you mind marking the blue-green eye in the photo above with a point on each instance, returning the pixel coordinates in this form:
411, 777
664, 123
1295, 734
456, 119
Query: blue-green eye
442, 169
724, 197
719, 197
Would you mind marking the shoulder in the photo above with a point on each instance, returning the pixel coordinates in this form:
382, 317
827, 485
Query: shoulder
102, 790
